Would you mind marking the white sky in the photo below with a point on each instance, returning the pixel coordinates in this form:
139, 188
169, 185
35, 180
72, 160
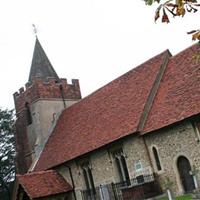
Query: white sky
92, 40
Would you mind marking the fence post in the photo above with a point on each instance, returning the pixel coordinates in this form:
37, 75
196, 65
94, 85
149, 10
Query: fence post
114, 191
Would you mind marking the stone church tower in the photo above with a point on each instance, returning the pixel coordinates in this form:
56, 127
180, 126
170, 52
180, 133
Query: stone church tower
38, 107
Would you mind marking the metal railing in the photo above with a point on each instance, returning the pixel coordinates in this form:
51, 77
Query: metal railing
140, 187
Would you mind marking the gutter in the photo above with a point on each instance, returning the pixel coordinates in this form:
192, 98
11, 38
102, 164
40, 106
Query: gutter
72, 180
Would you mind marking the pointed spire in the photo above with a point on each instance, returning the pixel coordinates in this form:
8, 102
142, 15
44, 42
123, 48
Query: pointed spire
41, 66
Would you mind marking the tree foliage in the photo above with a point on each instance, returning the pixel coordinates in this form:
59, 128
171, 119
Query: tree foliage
7, 150
176, 8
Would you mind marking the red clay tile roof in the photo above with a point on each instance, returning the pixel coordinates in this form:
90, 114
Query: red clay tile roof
178, 96
108, 114
42, 184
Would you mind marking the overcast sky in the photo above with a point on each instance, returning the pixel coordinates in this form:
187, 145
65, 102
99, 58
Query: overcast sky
94, 41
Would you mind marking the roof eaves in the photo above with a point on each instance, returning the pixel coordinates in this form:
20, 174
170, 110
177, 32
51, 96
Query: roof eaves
24, 188
87, 153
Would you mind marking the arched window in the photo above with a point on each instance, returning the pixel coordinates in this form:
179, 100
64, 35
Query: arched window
156, 157
121, 166
86, 179
124, 166
90, 191
28, 114
91, 180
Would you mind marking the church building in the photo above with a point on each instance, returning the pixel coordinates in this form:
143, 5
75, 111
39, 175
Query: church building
131, 139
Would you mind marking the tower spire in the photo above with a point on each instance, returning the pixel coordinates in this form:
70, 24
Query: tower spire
34, 30
41, 66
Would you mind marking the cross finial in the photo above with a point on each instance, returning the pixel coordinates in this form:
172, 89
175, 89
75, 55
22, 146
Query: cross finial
34, 30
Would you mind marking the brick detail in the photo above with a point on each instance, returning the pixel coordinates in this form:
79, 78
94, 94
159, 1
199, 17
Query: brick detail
23, 157
47, 90
38, 89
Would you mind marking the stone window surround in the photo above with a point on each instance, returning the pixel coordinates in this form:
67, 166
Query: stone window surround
154, 160
117, 154
87, 177
196, 126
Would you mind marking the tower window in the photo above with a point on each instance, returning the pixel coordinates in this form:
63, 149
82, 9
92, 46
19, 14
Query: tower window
28, 114
156, 157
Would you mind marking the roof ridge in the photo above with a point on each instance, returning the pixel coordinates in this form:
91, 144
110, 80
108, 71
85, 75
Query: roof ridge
133, 69
153, 91
36, 172
180, 81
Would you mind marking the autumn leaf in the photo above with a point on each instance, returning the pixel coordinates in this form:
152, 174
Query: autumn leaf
176, 8
196, 36
180, 11
157, 14
179, 2
165, 18
171, 5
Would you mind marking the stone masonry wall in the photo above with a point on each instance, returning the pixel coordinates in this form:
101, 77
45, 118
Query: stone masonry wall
102, 165
135, 151
179, 140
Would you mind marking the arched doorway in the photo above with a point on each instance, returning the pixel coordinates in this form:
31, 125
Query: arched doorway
184, 169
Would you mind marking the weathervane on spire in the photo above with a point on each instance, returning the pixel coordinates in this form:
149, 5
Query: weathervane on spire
34, 30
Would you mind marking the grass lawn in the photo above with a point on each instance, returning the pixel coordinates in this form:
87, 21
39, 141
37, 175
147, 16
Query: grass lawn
184, 197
